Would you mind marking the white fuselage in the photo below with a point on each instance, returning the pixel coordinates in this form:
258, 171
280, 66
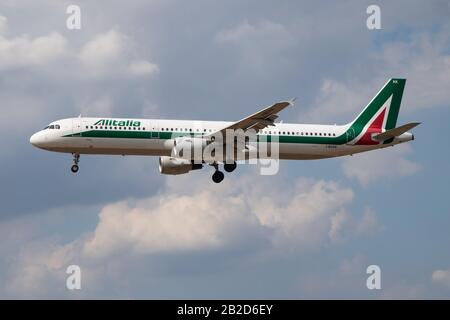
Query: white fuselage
156, 137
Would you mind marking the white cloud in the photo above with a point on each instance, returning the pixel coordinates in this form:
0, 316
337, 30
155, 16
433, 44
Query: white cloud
337, 99
380, 164
99, 107
109, 53
24, 51
305, 215
368, 224
310, 214
185, 217
423, 60
38, 269
256, 42
338, 224
143, 68
345, 280
150, 110
441, 277
168, 223
245, 31
345, 225
105, 54
103, 49
3, 24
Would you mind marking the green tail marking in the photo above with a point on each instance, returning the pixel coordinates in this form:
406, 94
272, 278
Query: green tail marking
394, 88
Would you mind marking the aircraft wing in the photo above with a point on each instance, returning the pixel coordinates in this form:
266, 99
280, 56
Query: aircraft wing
389, 134
261, 119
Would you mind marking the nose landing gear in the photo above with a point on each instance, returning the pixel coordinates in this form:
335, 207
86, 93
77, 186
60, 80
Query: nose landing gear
76, 160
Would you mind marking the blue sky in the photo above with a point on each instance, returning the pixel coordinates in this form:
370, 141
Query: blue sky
308, 232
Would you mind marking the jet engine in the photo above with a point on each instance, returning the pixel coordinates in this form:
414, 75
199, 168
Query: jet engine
174, 166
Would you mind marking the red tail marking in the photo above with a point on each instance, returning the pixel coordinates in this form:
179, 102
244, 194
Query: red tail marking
375, 127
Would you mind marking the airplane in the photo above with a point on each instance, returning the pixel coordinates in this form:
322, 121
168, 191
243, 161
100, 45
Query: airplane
374, 128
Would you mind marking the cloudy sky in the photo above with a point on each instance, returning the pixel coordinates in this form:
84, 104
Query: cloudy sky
308, 232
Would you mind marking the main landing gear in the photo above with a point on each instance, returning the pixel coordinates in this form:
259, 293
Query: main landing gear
218, 175
230, 167
76, 160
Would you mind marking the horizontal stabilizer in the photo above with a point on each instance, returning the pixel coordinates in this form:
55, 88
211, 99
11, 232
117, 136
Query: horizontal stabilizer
395, 132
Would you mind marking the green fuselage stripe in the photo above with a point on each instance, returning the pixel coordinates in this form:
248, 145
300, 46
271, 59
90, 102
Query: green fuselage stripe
165, 135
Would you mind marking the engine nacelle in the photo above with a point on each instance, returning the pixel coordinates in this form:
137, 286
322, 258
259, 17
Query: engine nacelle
174, 166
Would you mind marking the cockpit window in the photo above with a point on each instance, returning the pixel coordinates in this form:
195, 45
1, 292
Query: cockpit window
53, 126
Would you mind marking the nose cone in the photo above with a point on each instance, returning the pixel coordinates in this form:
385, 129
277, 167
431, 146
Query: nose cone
33, 139
37, 139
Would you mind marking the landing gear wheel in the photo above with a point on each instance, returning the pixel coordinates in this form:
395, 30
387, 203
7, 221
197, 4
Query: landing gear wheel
218, 176
76, 160
230, 167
